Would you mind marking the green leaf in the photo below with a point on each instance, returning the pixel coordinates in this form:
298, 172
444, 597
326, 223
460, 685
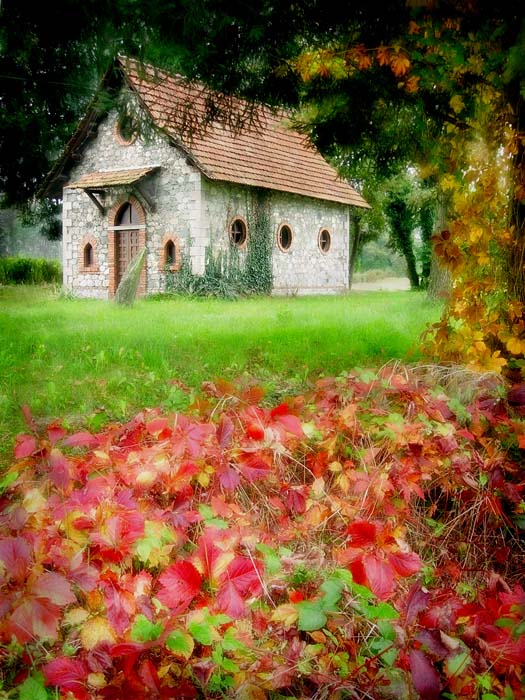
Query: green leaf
154, 538
386, 630
229, 665
8, 479
311, 616
383, 611
32, 688
202, 632
457, 664
144, 630
231, 643
272, 560
332, 589
180, 643
210, 519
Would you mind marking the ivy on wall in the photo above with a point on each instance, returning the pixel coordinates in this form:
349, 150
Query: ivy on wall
258, 275
230, 274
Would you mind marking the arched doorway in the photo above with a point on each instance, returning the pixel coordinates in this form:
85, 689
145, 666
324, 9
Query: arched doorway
127, 237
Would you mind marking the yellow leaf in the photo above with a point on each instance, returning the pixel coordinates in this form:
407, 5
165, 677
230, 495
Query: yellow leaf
34, 501
515, 345
96, 680
75, 616
286, 613
457, 103
96, 631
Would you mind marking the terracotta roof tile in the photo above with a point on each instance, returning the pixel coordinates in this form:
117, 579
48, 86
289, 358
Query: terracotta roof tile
112, 177
269, 154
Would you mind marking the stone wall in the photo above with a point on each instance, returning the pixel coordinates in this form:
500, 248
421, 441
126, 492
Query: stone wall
174, 192
189, 213
304, 268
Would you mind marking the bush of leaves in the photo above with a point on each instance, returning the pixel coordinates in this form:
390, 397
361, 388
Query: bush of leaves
361, 541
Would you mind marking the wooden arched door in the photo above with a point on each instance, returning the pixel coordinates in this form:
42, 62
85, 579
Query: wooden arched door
128, 241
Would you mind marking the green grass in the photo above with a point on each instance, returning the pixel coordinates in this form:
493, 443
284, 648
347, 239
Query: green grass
88, 362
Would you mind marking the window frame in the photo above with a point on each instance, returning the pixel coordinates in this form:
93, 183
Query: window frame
325, 248
282, 248
244, 225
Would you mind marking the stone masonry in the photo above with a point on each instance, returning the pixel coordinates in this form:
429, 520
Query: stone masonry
182, 206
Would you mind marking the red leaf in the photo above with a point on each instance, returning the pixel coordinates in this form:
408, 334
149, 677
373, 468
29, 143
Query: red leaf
229, 479
60, 469
405, 563
55, 432
224, 431
292, 425
180, 582
255, 431
126, 649
230, 601
25, 446
15, 553
253, 467
157, 426
362, 533
417, 601
66, 673
424, 676
149, 676
35, 618
380, 576
54, 587
82, 439
243, 572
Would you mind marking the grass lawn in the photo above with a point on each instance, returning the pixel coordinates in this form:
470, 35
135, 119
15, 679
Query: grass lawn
86, 362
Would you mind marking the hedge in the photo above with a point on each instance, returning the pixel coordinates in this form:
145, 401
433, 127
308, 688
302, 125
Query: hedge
29, 271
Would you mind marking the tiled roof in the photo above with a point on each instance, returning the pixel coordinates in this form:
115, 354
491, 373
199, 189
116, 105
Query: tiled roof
268, 154
112, 177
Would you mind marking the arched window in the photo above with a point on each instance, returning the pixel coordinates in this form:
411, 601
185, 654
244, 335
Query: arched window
284, 237
89, 256
169, 252
238, 232
127, 215
325, 240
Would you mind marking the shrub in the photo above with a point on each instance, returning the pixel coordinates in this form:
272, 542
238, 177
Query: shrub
356, 542
17, 270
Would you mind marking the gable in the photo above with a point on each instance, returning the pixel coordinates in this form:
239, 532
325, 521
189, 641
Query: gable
265, 154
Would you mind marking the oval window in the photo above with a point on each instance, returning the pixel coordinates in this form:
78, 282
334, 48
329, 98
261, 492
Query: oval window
238, 232
325, 240
126, 129
284, 237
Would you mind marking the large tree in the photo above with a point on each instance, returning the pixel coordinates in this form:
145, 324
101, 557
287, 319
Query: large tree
451, 77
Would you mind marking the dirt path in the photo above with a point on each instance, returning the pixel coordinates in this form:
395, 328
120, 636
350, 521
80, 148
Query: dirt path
391, 284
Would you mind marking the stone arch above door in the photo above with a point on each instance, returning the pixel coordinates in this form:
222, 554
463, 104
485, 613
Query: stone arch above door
126, 237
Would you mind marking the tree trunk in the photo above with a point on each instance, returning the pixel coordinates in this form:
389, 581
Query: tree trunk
440, 280
516, 271
411, 267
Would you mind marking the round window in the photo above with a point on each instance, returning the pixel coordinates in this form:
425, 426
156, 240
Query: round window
238, 232
325, 240
284, 237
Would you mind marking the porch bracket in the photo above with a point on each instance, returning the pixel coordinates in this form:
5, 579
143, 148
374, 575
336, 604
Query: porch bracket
95, 201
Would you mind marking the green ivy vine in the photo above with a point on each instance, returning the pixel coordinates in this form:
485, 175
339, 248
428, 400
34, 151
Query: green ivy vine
230, 274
